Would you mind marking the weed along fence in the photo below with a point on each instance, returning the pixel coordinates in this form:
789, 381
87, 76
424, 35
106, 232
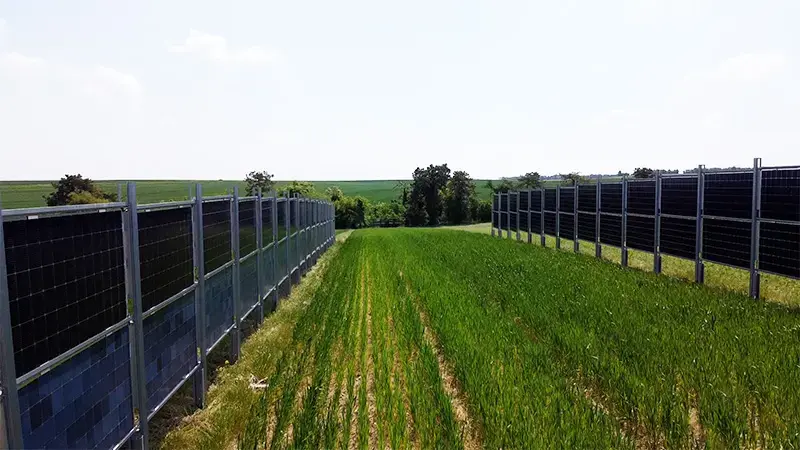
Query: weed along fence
747, 219
107, 310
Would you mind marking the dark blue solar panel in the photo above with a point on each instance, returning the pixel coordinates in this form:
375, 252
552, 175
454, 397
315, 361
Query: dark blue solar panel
550, 196
536, 200
281, 260
678, 237
84, 402
640, 233
728, 195
266, 222
523, 200
216, 234
611, 230
611, 198
780, 194
642, 197
247, 227
536, 222
566, 226
679, 196
269, 266
587, 226
550, 223
779, 249
165, 254
587, 197
219, 305
566, 199
170, 348
726, 242
495, 221
248, 280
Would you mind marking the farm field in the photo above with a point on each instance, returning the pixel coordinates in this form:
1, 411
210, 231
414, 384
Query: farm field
26, 194
439, 338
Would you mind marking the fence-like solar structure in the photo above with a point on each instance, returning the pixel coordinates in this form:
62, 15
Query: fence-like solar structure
107, 310
747, 219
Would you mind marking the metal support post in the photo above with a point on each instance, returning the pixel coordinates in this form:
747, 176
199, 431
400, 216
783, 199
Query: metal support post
624, 242
260, 269
558, 217
133, 288
598, 248
495, 218
699, 266
576, 245
288, 242
508, 215
10, 418
236, 335
530, 197
755, 231
657, 225
542, 239
274, 251
517, 215
199, 384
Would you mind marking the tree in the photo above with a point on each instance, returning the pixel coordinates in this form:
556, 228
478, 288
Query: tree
530, 180
572, 179
458, 198
255, 180
428, 186
334, 193
643, 172
505, 185
405, 191
74, 190
416, 214
301, 188
351, 212
482, 211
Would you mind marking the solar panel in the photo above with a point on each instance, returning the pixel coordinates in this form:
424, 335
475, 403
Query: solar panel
779, 249
611, 198
611, 230
640, 233
216, 234
642, 197
726, 242
165, 254
679, 196
780, 194
728, 195
587, 226
587, 197
247, 227
678, 237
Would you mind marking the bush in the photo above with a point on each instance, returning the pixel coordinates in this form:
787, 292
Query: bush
76, 190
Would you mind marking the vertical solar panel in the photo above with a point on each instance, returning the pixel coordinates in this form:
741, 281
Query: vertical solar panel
640, 233
536, 200
779, 250
247, 227
219, 305
566, 226
550, 196
513, 207
550, 223
678, 237
729, 195
587, 226
165, 254
170, 348
66, 283
248, 282
216, 234
84, 402
780, 194
536, 222
679, 196
611, 198
611, 229
587, 198
727, 242
566, 199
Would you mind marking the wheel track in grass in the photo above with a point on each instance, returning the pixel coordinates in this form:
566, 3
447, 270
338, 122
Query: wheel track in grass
355, 394
372, 408
403, 386
470, 427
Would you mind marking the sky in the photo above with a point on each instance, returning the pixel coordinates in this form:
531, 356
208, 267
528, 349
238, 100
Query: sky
365, 89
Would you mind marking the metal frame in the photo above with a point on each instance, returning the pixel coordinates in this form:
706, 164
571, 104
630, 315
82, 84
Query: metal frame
530, 201
576, 246
236, 335
260, 254
624, 241
699, 266
558, 216
517, 215
598, 247
10, 419
657, 225
199, 383
755, 231
274, 250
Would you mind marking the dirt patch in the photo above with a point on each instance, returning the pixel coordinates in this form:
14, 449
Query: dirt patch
469, 426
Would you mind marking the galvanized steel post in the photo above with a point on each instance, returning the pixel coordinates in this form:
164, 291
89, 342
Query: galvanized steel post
699, 266
508, 215
598, 248
624, 241
494, 211
657, 225
516, 212
575, 243
10, 419
199, 383
542, 239
133, 288
288, 241
274, 251
260, 269
236, 335
755, 231
530, 197
558, 216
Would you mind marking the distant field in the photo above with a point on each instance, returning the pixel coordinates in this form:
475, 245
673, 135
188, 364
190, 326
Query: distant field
26, 194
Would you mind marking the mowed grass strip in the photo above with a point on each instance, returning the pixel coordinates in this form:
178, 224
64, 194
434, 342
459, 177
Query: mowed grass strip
680, 364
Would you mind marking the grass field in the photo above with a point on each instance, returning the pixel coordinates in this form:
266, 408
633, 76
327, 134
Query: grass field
26, 194
439, 338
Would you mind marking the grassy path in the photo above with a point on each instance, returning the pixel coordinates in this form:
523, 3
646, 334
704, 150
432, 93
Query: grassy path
442, 339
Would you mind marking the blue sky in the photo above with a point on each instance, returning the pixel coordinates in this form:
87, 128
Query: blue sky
360, 89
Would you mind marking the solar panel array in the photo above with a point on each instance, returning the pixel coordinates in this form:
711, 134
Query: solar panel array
723, 220
72, 342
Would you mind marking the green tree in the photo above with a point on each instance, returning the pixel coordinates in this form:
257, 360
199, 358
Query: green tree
572, 179
482, 211
459, 198
258, 180
334, 193
74, 190
643, 172
430, 183
416, 214
505, 185
530, 180
351, 212
301, 188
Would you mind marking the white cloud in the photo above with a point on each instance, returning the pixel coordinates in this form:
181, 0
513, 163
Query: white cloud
215, 48
749, 67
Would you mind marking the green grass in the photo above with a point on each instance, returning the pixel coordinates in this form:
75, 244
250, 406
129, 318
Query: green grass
436, 338
773, 287
26, 194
